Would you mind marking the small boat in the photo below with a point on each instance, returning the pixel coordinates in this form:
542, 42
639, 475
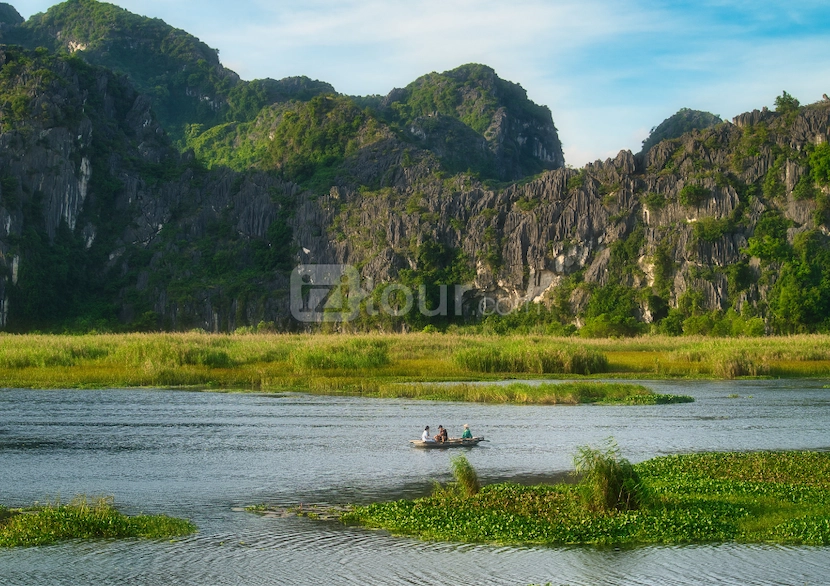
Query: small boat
453, 442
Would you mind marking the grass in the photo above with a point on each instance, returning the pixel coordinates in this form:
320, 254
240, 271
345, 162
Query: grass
465, 475
565, 393
81, 519
763, 497
377, 364
520, 357
609, 481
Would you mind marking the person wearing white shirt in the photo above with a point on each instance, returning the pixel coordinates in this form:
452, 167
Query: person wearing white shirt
425, 436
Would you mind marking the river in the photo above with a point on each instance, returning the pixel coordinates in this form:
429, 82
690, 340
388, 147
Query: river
205, 455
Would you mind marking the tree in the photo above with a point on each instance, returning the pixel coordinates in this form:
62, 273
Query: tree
785, 103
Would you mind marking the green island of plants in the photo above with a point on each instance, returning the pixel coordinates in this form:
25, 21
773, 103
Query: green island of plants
754, 497
81, 519
564, 393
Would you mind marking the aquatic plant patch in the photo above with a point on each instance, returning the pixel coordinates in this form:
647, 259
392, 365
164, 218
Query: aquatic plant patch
80, 519
764, 497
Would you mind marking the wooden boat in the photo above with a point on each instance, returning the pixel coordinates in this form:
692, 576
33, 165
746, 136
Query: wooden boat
453, 442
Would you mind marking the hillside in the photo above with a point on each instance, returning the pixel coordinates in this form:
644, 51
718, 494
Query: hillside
145, 186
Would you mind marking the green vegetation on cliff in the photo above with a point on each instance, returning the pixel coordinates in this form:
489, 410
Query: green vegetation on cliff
9, 15
475, 96
685, 120
183, 76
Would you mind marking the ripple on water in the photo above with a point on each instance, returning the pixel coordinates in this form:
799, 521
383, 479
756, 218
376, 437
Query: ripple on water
199, 455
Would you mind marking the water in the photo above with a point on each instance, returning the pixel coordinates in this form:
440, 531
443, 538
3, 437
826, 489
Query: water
204, 455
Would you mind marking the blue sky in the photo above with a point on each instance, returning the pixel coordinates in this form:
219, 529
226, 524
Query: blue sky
609, 70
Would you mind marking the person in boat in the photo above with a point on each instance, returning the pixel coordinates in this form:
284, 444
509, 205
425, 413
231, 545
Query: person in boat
425, 436
441, 436
467, 433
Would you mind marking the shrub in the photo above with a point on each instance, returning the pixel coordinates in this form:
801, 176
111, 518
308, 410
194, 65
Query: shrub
577, 181
654, 201
820, 164
711, 229
693, 195
609, 326
787, 105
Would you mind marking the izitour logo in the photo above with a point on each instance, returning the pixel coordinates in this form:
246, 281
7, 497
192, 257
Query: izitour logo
336, 293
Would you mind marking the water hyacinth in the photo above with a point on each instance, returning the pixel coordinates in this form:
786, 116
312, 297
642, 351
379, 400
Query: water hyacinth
82, 519
766, 497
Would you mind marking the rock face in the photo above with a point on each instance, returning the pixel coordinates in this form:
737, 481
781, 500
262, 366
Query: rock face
104, 224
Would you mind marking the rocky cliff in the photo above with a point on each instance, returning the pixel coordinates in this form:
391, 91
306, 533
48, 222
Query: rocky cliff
110, 219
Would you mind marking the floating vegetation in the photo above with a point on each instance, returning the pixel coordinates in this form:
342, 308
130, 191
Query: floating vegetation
759, 497
82, 519
310, 511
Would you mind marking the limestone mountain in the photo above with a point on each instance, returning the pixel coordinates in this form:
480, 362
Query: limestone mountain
9, 16
473, 120
675, 126
180, 74
135, 198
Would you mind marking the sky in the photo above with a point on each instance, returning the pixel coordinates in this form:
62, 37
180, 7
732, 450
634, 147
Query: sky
609, 70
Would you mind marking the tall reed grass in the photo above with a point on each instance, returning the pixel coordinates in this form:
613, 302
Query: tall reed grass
465, 475
355, 354
564, 393
608, 481
533, 360
367, 363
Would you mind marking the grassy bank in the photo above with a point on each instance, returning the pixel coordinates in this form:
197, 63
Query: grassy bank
80, 519
764, 497
376, 364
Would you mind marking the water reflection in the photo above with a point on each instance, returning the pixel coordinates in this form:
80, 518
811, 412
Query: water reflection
200, 455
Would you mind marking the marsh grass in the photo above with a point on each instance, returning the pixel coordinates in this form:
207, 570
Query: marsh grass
465, 475
565, 393
607, 480
83, 519
764, 497
521, 358
375, 363
353, 354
